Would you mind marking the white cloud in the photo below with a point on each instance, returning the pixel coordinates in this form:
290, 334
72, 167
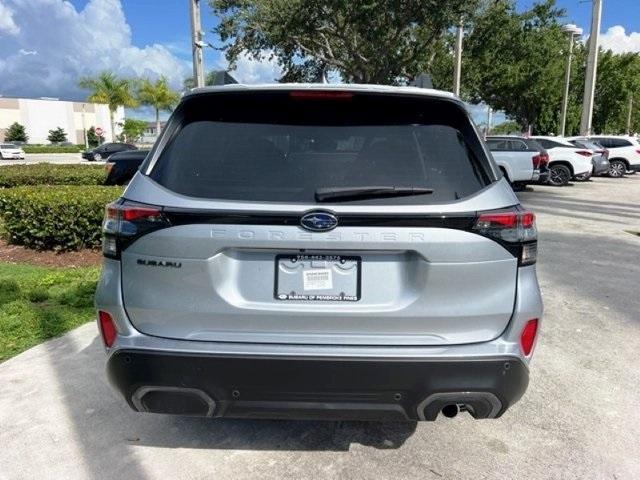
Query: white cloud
617, 40
250, 71
74, 43
7, 23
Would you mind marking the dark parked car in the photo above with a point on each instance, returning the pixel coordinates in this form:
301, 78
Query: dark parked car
122, 166
105, 150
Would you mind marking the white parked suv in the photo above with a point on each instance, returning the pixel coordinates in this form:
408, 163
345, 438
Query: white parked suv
9, 151
566, 161
624, 153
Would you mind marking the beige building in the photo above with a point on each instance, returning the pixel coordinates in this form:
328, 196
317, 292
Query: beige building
41, 115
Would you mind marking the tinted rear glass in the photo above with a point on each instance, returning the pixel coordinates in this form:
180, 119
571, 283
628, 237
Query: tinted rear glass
270, 147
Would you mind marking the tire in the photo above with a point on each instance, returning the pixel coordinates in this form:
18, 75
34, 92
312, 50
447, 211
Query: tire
97, 157
559, 175
617, 168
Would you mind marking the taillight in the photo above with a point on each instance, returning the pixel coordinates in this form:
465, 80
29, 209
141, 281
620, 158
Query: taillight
584, 153
513, 229
637, 150
107, 328
544, 159
536, 161
125, 221
528, 336
540, 160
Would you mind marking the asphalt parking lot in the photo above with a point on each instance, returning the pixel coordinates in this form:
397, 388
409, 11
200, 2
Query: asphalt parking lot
579, 419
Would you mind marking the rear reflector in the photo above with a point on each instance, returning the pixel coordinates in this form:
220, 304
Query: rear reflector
319, 95
528, 336
107, 328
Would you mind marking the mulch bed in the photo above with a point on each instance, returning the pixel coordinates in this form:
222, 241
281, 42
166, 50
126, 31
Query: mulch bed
18, 254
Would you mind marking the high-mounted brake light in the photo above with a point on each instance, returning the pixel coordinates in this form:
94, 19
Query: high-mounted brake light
125, 221
320, 95
513, 229
528, 336
584, 153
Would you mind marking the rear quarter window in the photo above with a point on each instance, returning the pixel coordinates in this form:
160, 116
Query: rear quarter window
270, 147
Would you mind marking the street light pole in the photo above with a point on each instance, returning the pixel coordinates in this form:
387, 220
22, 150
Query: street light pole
457, 65
196, 43
572, 30
592, 69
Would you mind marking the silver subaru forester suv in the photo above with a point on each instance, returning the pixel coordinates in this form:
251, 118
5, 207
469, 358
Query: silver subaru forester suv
319, 251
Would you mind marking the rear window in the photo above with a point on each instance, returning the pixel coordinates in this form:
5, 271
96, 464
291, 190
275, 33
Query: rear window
271, 147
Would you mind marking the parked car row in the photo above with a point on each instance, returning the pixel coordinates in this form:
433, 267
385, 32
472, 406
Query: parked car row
557, 160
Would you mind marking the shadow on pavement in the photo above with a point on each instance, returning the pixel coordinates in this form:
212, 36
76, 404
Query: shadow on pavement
109, 432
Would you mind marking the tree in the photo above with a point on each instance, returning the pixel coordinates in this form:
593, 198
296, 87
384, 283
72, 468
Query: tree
369, 41
507, 127
108, 88
57, 135
132, 129
618, 79
514, 61
158, 95
92, 139
16, 133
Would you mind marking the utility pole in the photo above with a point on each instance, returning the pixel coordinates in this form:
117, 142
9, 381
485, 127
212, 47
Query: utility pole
572, 30
592, 69
629, 114
196, 43
489, 119
457, 65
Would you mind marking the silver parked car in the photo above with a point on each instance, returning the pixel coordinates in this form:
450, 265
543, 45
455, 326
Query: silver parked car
319, 251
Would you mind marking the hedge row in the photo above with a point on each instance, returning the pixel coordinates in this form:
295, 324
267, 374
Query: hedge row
50, 174
52, 148
57, 218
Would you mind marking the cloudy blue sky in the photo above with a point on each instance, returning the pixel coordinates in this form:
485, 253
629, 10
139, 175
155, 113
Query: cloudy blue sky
46, 45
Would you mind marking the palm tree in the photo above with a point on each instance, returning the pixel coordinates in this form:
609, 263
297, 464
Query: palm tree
158, 95
110, 89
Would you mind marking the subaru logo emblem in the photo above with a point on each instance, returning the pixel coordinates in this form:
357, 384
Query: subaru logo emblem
319, 221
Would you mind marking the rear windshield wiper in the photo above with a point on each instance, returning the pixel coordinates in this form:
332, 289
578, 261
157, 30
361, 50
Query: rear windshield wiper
361, 193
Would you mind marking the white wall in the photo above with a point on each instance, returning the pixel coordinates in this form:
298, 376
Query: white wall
40, 116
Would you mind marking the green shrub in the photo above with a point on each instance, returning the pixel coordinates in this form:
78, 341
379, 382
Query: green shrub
55, 217
50, 174
52, 148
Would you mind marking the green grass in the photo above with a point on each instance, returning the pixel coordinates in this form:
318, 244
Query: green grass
37, 303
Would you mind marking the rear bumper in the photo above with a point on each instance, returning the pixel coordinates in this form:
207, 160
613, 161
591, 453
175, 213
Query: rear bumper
279, 380
306, 388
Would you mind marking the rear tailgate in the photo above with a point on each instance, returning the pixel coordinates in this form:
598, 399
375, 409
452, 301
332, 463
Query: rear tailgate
236, 264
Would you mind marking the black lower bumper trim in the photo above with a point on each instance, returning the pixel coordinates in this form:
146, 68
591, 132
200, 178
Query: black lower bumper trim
295, 388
